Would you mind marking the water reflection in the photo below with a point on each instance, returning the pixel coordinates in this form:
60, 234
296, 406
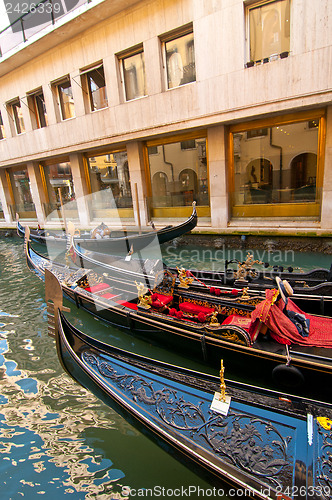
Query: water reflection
56, 437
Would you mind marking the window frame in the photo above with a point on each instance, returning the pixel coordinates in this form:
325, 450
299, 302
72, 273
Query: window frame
59, 95
86, 85
299, 209
122, 56
179, 211
38, 114
169, 37
249, 6
18, 121
125, 213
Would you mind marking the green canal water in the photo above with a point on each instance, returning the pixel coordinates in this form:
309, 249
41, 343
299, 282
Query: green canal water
58, 440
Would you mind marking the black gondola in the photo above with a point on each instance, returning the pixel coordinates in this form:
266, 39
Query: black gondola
268, 445
251, 332
115, 244
313, 292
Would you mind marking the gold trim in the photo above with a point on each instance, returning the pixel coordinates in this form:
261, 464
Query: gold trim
178, 212
112, 213
274, 210
302, 116
44, 184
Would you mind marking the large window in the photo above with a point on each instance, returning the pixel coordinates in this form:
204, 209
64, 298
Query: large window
93, 81
66, 100
178, 176
180, 57
269, 29
60, 194
21, 203
133, 73
278, 165
110, 185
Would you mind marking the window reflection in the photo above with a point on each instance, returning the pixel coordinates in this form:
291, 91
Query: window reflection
110, 183
269, 29
179, 173
276, 165
60, 190
134, 76
97, 88
180, 60
66, 99
20, 186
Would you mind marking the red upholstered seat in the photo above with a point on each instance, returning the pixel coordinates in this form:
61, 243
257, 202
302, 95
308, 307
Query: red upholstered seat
160, 300
108, 295
97, 288
237, 320
191, 308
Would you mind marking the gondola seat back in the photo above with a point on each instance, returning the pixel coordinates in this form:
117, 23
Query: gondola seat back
194, 310
160, 300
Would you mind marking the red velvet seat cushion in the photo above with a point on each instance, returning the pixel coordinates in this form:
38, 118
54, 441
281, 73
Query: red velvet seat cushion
190, 308
97, 288
237, 320
107, 295
159, 300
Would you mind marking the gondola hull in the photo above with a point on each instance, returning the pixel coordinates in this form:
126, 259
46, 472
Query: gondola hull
116, 244
268, 444
316, 299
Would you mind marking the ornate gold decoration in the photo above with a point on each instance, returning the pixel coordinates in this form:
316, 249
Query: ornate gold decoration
245, 269
222, 396
213, 320
325, 422
144, 300
245, 294
185, 281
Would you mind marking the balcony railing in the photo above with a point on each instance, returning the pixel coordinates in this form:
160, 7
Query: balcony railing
29, 19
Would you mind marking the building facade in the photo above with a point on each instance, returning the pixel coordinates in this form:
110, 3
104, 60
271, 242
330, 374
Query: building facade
133, 110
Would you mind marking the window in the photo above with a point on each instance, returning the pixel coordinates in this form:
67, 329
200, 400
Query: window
269, 29
66, 101
133, 74
93, 80
59, 190
2, 129
22, 202
110, 184
17, 116
180, 57
178, 175
280, 169
36, 103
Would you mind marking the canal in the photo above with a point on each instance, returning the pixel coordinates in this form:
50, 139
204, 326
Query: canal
58, 439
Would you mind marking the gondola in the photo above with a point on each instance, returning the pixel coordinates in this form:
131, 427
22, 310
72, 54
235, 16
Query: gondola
313, 292
252, 332
263, 444
113, 243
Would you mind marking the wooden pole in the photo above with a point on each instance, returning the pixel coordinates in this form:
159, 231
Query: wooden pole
137, 210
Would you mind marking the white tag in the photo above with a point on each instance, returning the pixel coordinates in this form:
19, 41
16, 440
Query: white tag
128, 257
310, 428
220, 406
